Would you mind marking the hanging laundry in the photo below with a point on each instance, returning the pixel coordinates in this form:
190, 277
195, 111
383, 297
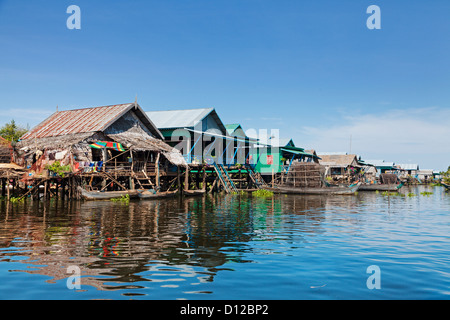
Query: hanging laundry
108, 144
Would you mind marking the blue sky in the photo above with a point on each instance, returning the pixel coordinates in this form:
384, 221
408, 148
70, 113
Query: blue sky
309, 68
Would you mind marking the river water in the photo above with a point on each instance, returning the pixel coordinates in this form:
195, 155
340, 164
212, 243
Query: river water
230, 247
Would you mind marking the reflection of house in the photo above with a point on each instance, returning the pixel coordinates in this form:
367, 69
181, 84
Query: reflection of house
340, 164
197, 133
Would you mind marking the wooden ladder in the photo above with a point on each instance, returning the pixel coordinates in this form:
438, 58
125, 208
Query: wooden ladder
224, 178
143, 180
256, 177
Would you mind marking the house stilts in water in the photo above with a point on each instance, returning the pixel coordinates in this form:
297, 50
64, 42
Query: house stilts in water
217, 155
110, 148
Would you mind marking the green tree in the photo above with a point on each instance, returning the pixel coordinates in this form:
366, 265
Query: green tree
12, 132
447, 176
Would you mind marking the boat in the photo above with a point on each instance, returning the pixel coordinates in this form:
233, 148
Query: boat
446, 186
191, 193
338, 190
380, 187
106, 195
151, 194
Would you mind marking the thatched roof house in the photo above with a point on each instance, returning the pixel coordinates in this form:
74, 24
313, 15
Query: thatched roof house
126, 126
339, 163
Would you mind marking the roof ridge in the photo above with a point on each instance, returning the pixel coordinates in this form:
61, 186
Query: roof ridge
112, 105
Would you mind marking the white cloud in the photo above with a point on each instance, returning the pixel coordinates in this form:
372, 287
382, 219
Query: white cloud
396, 135
24, 116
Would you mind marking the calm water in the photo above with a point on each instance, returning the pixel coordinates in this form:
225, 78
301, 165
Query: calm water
229, 247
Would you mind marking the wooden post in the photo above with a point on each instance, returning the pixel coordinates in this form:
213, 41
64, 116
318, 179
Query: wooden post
197, 179
186, 178
240, 177
3, 187
45, 190
157, 172
204, 179
7, 186
178, 179
13, 186
63, 188
273, 177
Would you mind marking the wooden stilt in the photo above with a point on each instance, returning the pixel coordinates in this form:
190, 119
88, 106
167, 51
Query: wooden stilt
178, 179
186, 179
157, 172
204, 179
7, 187
3, 187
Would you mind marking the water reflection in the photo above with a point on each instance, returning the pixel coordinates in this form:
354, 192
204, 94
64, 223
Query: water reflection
180, 243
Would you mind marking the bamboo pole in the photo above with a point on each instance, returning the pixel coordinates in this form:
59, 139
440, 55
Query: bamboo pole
157, 172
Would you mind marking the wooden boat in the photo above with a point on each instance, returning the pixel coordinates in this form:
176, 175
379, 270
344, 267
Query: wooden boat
325, 190
446, 186
192, 193
106, 195
380, 187
150, 194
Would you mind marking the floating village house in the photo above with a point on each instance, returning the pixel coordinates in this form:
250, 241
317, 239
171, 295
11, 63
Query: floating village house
115, 146
198, 133
241, 145
340, 165
278, 155
384, 166
409, 169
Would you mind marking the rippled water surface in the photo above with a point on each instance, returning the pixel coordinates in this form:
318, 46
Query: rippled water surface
229, 247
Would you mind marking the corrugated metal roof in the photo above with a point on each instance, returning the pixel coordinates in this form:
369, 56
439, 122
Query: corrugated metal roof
409, 166
169, 119
78, 121
232, 127
380, 163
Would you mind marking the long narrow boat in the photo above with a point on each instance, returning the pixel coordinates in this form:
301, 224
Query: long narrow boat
380, 187
325, 190
446, 185
148, 195
106, 195
192, 193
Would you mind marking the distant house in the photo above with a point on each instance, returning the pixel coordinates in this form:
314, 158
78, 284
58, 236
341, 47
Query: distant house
117, 139
383, 166
315, 158
277, 156
198, 133
409, 169
425, 175
340, 164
